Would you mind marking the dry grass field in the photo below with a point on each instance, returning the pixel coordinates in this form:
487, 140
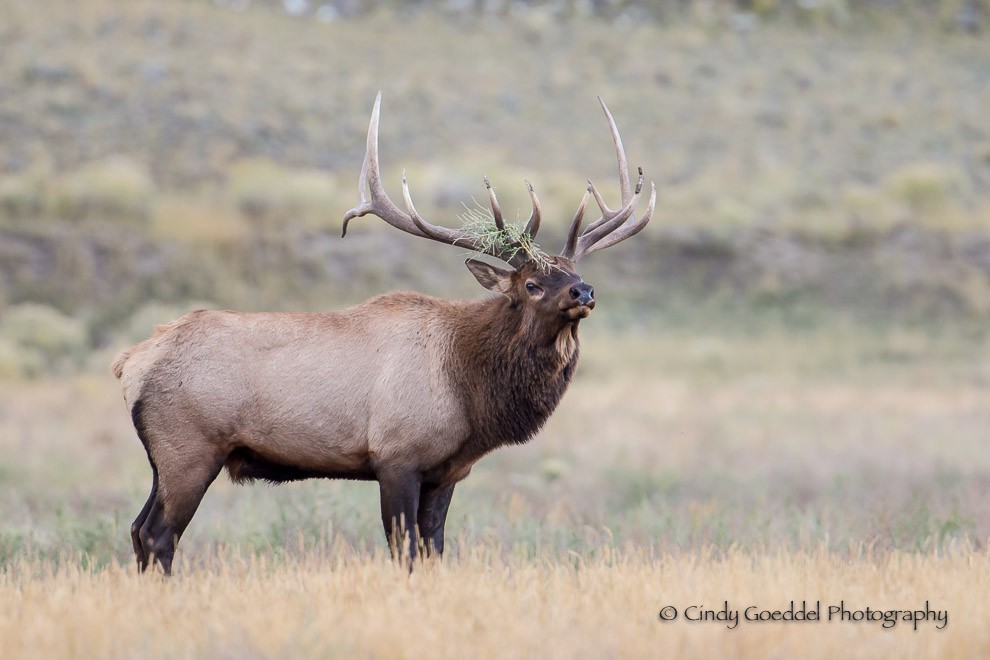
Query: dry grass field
339, 603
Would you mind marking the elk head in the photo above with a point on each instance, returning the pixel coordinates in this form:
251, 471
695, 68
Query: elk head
547, 287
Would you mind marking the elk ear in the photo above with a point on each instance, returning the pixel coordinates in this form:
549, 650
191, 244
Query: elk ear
490, 277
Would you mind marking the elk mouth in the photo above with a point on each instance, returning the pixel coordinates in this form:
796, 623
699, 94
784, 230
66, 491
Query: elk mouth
577, 311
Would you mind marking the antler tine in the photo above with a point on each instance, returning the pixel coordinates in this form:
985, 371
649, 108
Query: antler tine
373, 199
620, 155
607, 213
570, 249
371, 147
421, 225
605, 226
496, 209
533, 225
624, 186
613, 226
627, 230
371, 183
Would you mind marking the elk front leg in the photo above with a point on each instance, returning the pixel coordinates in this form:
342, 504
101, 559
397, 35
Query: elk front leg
433, 504
400, 508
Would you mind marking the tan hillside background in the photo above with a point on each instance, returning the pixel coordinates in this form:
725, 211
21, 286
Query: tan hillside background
784, 391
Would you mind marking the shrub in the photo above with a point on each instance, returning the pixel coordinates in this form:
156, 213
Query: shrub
21, 196
927, 186
41, 336
264, 190
116, 188
17, 362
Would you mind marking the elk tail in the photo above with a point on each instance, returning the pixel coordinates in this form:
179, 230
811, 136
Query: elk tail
117, 366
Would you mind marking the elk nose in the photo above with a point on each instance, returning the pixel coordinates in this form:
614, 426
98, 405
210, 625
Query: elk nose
583, 293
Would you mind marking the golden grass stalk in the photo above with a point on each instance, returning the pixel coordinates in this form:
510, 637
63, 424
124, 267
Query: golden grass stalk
338, 602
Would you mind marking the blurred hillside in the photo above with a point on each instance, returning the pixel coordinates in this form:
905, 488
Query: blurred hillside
808, 155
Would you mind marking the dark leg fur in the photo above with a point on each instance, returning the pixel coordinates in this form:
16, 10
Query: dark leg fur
433, 505
166, 521
151, 552
400, 506
142, 556
137, 418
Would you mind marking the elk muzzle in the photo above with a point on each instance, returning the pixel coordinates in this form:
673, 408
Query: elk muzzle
583, 294
579, 302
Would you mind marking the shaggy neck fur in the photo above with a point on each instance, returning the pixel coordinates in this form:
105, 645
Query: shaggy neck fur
514, 369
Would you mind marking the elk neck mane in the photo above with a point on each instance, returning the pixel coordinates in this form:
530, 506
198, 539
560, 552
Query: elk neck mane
513, 370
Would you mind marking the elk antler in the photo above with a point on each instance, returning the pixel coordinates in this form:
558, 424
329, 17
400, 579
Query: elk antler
613, 226
411, 222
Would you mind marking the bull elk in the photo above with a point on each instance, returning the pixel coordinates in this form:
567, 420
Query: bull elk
404, 389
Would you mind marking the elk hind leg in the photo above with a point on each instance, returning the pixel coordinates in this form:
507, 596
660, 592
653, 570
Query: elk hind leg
137, 417
139, 553
183, 482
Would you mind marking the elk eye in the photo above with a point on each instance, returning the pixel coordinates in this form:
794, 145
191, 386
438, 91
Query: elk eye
533, 288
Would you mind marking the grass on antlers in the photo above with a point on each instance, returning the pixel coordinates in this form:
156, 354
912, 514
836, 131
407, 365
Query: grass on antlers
479, 223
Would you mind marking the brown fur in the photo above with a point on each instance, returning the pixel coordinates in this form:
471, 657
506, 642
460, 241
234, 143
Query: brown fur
405, 389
